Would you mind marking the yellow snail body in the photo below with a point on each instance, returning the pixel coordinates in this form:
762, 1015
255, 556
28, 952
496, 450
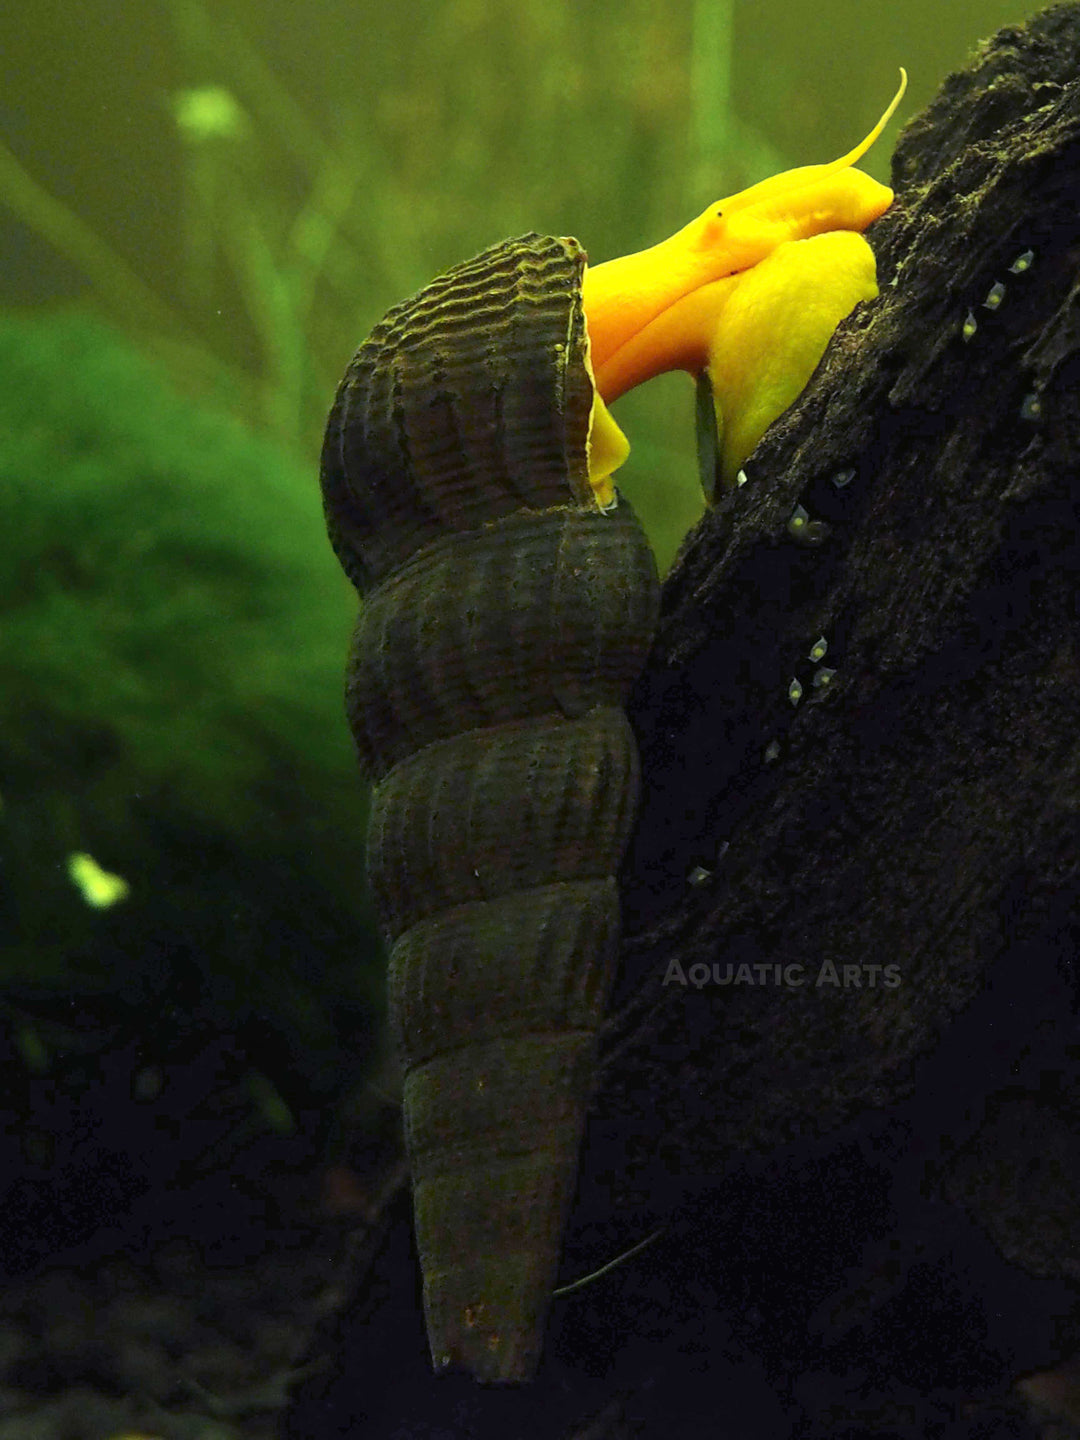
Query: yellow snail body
745, 298
505, 616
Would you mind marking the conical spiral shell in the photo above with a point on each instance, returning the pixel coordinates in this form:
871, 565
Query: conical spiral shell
504, 620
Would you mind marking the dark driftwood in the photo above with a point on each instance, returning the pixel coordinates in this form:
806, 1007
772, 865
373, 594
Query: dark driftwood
920, 810
922, 807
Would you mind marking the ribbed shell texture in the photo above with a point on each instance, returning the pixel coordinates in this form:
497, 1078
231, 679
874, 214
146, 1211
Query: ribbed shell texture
504, 619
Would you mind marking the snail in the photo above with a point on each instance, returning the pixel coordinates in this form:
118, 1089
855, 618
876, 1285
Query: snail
509, 598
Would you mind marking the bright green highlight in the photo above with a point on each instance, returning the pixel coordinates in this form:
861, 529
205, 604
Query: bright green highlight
98, 887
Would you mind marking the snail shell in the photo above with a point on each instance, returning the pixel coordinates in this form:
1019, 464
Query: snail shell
504, 619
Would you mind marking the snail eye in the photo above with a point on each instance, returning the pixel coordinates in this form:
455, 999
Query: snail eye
710, 229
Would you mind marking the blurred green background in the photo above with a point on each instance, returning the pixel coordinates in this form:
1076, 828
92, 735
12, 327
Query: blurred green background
203, 209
